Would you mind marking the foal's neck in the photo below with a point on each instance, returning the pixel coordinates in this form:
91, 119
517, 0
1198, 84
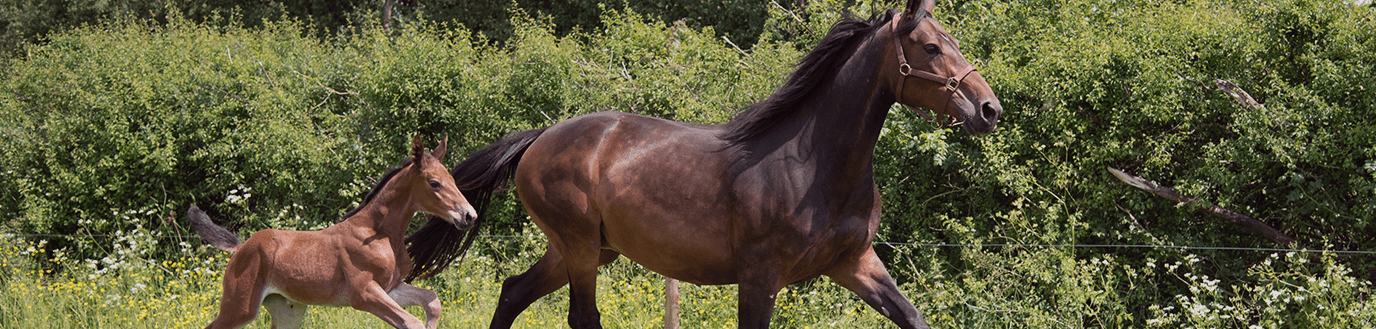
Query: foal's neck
390, 211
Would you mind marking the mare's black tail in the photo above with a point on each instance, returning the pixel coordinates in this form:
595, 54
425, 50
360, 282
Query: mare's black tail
437, 244
214, 234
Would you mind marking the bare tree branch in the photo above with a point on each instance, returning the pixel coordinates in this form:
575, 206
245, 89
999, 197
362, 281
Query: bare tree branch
1238, 94
1216, 211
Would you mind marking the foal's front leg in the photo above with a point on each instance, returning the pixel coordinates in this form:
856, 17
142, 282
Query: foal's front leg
372, 299
406, 294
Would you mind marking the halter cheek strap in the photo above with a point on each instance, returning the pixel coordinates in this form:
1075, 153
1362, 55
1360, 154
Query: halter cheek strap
949, 84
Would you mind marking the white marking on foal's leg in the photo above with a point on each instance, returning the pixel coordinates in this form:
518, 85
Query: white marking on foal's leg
406, 294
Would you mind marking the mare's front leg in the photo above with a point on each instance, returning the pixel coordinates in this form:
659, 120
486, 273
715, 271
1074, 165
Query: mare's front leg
406, 294
868, 278
757, 291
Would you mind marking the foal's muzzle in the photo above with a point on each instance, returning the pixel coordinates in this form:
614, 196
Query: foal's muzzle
463, 218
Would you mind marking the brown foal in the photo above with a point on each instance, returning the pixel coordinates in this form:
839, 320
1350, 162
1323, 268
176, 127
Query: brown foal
359, 262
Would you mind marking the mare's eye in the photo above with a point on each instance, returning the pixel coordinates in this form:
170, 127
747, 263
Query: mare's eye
434, 184
932, 49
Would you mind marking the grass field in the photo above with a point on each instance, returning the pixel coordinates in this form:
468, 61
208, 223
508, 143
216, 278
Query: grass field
130, 290
126, 291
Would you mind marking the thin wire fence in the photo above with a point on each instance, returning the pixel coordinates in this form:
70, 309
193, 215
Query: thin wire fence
884, 243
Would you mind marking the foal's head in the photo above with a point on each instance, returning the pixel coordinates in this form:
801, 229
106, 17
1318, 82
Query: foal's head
433, 188
935, 75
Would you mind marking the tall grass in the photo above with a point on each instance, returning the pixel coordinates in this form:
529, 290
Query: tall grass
128, 290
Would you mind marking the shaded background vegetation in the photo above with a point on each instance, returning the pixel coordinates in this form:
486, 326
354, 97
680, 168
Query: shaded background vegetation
32, 20
116, 115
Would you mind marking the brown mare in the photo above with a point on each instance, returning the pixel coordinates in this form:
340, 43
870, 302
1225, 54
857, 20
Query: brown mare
359, 262
783, 193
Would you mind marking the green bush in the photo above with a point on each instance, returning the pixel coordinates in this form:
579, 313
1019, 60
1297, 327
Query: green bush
1089, 85
111, 128
124, 124
741, 21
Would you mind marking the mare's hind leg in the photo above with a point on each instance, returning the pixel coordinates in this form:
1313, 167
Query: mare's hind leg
286, 314
582, 274
543, 278
868, 278
406, 294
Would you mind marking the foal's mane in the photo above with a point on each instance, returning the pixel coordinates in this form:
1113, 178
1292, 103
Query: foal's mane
819, 66
386, 177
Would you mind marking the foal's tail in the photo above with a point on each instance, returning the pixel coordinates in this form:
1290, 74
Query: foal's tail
216, 235
439, 243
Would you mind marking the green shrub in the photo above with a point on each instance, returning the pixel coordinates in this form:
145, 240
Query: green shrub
1089, 85
124, 124
112, 128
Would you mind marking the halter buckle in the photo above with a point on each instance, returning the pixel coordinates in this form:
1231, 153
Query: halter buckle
952, 83
904, 69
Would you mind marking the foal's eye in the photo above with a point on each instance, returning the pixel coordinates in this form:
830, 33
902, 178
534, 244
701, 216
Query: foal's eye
932, 49
434, 184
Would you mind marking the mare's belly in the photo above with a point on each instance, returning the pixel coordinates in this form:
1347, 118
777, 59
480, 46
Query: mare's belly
698, 255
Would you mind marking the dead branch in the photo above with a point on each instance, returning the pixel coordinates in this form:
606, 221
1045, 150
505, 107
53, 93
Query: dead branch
1216, 211
1238, 94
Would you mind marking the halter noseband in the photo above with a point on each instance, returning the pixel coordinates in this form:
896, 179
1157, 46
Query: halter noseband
949, 84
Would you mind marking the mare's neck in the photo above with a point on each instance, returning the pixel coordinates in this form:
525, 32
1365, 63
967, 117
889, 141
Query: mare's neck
835, 132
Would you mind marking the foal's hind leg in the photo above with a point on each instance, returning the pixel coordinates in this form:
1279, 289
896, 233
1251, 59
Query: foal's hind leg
242, 291
237, 308
286, 314
868, 278
406, 294
543, 278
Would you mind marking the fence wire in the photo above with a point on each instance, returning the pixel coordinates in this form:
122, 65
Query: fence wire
884, 243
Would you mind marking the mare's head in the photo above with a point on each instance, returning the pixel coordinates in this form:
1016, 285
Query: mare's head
930, 71
431, 186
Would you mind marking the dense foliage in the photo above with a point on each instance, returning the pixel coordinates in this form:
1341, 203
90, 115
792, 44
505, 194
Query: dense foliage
115, 127
32, 20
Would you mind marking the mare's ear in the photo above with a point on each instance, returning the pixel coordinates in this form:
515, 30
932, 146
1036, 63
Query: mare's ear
416, 150
916, 8
438, 153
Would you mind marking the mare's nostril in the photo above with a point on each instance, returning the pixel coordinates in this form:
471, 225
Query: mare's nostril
990, 112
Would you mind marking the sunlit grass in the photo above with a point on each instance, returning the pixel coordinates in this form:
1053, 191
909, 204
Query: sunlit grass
131, 292
128, 291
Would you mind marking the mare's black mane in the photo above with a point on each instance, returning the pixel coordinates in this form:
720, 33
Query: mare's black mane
819, 66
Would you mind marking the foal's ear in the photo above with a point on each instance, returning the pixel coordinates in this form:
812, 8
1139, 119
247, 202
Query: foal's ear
438, 153
416, 150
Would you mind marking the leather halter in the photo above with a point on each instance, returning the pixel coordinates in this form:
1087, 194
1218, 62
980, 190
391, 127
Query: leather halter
950, 85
